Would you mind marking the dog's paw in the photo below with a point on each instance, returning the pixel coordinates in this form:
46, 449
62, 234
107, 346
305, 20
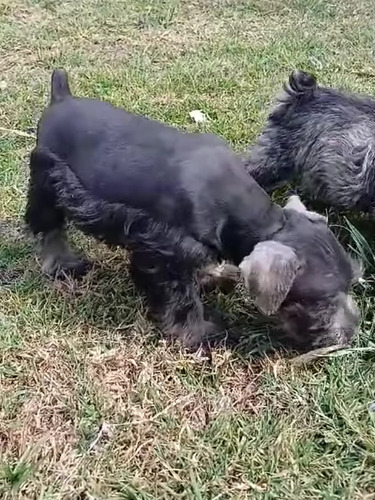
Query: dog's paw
66, 267
189, 336
294, 203
315, 217
223, 276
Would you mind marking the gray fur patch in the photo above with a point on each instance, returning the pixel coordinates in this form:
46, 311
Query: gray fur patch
322, 139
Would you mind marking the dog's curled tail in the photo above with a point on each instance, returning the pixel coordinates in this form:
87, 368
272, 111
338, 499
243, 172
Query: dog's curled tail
119, 223
59, 86
300, 85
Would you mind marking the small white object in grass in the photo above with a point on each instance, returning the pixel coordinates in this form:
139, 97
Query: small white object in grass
316, 63
3, 85
362, 281
90, 497
198, 116
201, 354
105, 433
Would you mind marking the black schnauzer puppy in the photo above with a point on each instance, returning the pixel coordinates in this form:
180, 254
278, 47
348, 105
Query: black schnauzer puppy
181, 202
322, 138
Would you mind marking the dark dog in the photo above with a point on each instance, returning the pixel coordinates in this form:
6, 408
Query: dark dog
322, 138
180, 203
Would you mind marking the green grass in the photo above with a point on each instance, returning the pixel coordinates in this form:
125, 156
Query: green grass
242, 424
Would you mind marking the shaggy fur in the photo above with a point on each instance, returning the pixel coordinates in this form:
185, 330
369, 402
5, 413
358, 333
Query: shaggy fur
181, 203
322, 138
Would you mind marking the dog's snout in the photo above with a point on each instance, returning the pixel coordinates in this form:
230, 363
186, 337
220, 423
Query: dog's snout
321, 323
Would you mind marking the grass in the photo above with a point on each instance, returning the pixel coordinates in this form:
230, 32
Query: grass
245, 423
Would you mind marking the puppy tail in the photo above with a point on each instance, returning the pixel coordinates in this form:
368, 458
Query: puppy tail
301, 85
59, 86
125, 225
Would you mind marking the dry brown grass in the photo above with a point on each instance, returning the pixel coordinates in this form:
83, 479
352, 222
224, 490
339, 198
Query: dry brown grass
139, 395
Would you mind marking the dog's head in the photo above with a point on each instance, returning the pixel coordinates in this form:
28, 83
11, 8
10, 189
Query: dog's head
304, 276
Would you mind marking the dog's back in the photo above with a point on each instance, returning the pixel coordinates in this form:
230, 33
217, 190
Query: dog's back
183, 179
321, 137
95, 121
302, 95
113, 151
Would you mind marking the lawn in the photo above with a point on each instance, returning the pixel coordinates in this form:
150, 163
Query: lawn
93, 403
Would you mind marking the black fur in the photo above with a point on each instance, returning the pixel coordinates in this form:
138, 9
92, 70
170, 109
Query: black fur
324, 140
179, 202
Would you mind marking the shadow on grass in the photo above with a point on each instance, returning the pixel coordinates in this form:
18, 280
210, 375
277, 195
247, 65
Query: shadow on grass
106, 300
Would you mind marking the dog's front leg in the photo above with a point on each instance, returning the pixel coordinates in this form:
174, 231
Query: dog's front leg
173, 296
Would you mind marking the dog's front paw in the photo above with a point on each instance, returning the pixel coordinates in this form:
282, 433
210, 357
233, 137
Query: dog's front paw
294, 203
223, 276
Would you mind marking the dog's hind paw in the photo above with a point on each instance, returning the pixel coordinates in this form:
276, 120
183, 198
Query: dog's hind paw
60, 268
58, 258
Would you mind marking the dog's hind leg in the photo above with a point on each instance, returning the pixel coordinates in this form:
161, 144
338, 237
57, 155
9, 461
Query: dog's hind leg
46, 221
173, 296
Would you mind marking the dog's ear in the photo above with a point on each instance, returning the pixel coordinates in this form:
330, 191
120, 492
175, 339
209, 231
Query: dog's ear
294, 203
269, 272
